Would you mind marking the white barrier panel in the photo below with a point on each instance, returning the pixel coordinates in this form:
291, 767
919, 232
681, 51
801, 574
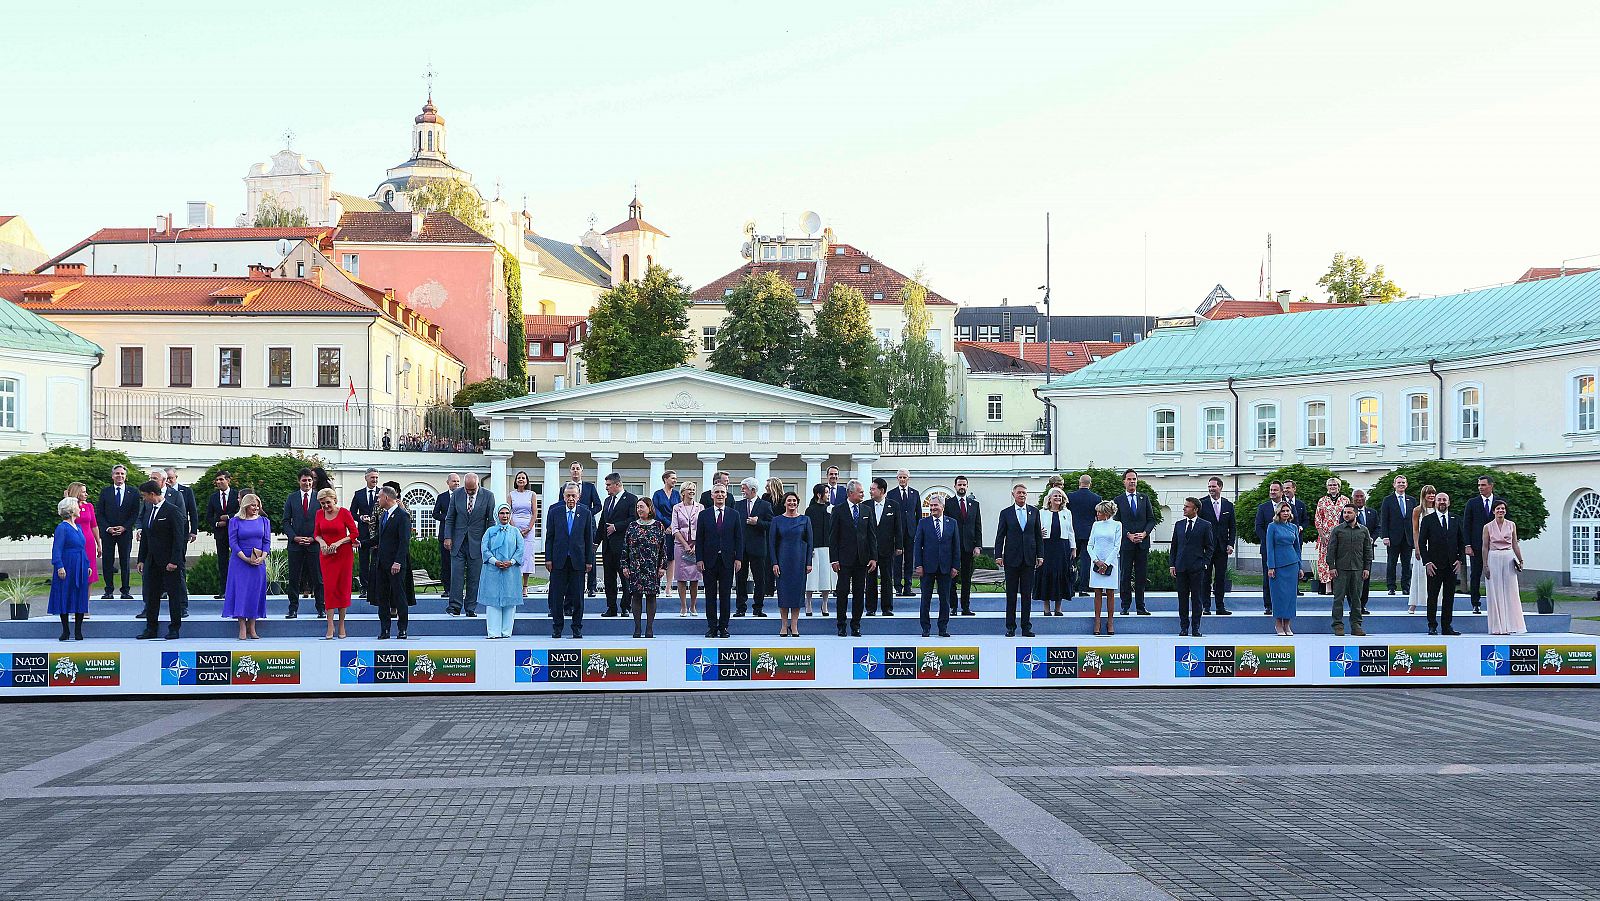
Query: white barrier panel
194, 667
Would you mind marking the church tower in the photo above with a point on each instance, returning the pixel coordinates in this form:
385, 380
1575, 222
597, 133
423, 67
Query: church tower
427, 134
428, 160
634, 245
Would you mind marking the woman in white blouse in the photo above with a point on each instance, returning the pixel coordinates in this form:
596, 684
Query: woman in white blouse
1055, 546
1104, 546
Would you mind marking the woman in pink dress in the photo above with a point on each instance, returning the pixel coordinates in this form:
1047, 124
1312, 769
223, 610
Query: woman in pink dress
685, 516
86, 524
1504, 562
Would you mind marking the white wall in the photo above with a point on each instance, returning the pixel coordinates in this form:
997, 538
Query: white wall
52, 403
230, 258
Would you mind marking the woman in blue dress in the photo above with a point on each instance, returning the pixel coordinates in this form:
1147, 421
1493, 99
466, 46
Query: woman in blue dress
244, 598
1281, 548
789, 547
500, 585
69, 575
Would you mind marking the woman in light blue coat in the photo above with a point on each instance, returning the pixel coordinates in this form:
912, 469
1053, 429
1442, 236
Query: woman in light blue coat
500, 585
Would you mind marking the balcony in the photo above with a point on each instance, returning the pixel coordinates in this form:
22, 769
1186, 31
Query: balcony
979, 443
255, 422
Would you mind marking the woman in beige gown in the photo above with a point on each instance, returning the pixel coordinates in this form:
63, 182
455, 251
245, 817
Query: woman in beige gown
1503, 563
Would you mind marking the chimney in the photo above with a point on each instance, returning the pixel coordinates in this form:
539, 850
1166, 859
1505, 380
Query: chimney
162, 224
417, 216
316, 276
260, 270
201, 214
71, 270
1283, 300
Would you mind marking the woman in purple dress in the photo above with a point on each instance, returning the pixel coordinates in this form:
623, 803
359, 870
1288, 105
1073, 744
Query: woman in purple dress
244, 598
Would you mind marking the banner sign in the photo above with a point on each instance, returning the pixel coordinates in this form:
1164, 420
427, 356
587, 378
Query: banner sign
390, 667
914, 663
1078, 662
230, 667
1387, 660
1233, 661
749, 664
61, 669
1538, 660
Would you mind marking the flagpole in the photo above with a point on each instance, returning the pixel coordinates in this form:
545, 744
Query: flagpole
1270, 295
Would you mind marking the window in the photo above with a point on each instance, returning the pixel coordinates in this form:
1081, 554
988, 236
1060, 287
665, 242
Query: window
838, 251
132, 367
230, 367
626, 271
430, 140
280, 367
533, 383
419, 502
1583, 404
180, 434
806, 251
180, 367
228, 434
708, 338
877, 295
1469, 413
1215, 436
800, 292
558, 349
279, 435
328, 367
963, 333
136, 433
788, 252
936, 337
328, 437
727, 292
802, 275
405, 374
769, 251
10, 399
1164, 431
864, 267
883, 336
1316, 423
1028, 333
1419, 418
1137, 337
1585, 521
352, 264
300, 269
1266, 416
1116, 337
214, 267
1368, 426
535, 348
996, 408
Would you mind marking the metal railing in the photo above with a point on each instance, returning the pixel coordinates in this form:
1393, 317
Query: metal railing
933, 444
173, 418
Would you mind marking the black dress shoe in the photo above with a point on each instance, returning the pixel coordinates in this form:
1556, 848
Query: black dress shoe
1027, 633
1196, 634
384, 635
401, 635
943, 634
1433, 630
888, 613
712, 633
1125, 610
724, 634
968, 613
1221, 612
1451, 632
841, 633
761, 614
146, 635
924, 634
609, 614
453, 612
126, 596
172, 635
739, 615
556, 634
1143, 612
105, 597
1011, 633
855, 633
292, 615
1476, 609
872, 613
577, 635
1206, 610
472, 614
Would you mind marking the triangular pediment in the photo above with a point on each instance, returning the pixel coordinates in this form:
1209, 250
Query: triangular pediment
683, 392
277, 413
178, 413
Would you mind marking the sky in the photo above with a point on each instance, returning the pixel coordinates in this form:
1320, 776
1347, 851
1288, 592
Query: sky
1454, 143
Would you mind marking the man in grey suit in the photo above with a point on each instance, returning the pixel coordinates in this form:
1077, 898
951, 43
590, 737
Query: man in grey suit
471, 514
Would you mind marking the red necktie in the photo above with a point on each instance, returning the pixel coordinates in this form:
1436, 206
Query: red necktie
719, 519
305, 502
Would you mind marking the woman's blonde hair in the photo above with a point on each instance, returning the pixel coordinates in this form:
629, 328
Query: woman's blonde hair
247, 500
1054, 493
1106, 507
687, 493
328, 492
73, 488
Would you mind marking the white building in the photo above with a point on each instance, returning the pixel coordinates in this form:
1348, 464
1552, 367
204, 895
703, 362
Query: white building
45, 372
20, 250
187, 250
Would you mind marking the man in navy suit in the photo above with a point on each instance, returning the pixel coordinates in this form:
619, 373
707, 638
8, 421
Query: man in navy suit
1192, 552
589, 499
755, 578
569, 554
117, 516
1266, 512
1394, 527
1137, 521
936, 557
838, 492
1082, 503
1479, 513
964, 508
300, 509
364, 510
221, 507
907, 503
1016, 549
163, 542
854, 546
1218, 512
718, 546
886, 526
616, 512
1443, 544
183, 496
471, 514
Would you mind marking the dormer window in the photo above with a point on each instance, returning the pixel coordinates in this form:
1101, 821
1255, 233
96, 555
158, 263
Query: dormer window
802, 275
877, 295
727, 292
864, 268
769, 252
838, 251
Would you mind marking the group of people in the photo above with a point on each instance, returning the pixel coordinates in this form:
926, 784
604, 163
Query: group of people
427, 441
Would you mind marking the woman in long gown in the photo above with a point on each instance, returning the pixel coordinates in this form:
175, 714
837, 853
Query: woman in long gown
1055, 544
1419, 570
244, 598
1504, 562
1104, 548
789, 546
1282, 545
69, 573
524, 513
335, 531
821, 580
646, 550
499, 588
1326, 520
685, 519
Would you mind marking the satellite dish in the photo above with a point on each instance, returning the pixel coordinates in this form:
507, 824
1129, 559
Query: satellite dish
748, 250
810, 222
750, 227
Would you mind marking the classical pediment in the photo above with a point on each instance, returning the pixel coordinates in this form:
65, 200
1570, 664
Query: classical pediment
683, 393
278, 413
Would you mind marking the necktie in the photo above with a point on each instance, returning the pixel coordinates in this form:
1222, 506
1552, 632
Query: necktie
384, 522
119, 497
1133, 503
569, 517
469, 503
938, 528
1444, 520
1486, 508
305, 501
963, 508
719, 519
152, 518
608, 507
855, 513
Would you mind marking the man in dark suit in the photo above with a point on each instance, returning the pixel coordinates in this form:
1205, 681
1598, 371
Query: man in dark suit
1366, 519
1193, 551
1394, 527
1081, 503
838, 492
721, 477
300, 509
1133, 562
907, 503
755, 576
854, 544
183, 496
1266, 512
471, 514
1017, 550
1442, 541
616, 512
568, 553
392, 590
364, 509
886, 527
936, 554
441, 511
964, 509
1218, 512
589, 499
718, 546
222, 506
1479, 513
117, 516
1302, 516
163, 542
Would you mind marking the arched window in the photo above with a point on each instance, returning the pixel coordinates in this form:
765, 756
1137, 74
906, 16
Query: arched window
419, 503
1213, 428
1584, 417
419, 142
1419, 417
627, 275
1164, 431
1585, 530
1366, 420
430, 140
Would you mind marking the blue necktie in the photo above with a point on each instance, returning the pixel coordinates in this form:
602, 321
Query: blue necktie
569, 520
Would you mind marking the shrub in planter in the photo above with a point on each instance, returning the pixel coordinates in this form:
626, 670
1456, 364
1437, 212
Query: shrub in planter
1160, 577
204, 577
425, 555
1544, 594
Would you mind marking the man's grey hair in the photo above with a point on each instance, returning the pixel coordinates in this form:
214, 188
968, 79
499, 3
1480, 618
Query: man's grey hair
749, 483
471, 477
389, 492
853, 485
372, 470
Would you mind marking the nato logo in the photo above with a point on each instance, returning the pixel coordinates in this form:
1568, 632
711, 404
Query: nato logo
1188, 661
1344, 660
1496, 660
867, 663
1031, 663
178, 668
532, 665
355, 667
700, 664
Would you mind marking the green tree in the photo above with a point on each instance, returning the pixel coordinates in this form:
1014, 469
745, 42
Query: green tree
35, 483
271, 214
638, 327
516, 326
1348, 281
842, 358
1108, 484
271, 477
488, 391
1309, 484
453, 196
763, 335
1524, 501
917, 375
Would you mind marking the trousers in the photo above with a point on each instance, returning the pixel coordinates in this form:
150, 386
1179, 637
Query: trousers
1347, 591
502, 619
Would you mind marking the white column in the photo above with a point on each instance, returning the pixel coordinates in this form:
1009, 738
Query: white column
763, 469
552, 476
603, 463
708, 469
658, 468
863, 464
497, 472
813, 474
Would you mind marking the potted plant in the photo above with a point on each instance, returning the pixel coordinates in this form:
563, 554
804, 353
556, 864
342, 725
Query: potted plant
1544, 594
277, 566
16, 593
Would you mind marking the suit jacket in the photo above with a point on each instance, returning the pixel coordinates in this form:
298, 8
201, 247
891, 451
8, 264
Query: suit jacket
441, 509
164, 539
1136, 519
1394, 525
297, 521
1082, 502
886, 530
108, 513
562, 548
1266, 512
364, 503
588, 496
854, 541
1224, 530
216, 509
937, 553
393, 546
465, 530
1192, 545
183, 496
1476, 518
838, 494
1442, 545
1301, 517
1014, 543
718, 549
622, 515
1368, 518
971, 524
908, 509
755, 537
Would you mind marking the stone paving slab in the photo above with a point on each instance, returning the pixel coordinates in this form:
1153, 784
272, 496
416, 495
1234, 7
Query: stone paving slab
32, 732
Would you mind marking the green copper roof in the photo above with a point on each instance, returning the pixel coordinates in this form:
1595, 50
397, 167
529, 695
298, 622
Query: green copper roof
22, 330
1522, 316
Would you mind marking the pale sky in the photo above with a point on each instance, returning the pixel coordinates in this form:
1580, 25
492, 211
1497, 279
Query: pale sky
1453, 142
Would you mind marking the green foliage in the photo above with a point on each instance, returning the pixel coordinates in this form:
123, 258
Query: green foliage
35, 483
984, 560
425, 555
488, 391
271, 214
453, 196
918, 384
270, 477
1107, 483
21, 590
762, 336
638, 327
1348, 281
516, 326
1524, 501
1160, 573
841, 357
1309, 484
1544, 591
203, 576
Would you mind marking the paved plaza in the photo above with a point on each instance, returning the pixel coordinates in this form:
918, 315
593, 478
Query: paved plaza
1405, 793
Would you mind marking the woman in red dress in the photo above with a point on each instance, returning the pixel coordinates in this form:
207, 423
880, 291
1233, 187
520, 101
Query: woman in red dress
336, 536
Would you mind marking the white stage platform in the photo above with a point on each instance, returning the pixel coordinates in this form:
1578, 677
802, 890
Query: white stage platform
200, 667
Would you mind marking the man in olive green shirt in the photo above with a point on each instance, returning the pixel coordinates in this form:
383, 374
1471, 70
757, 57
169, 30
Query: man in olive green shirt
1350, 557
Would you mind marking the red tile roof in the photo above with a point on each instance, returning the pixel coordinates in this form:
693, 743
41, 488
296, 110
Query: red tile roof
838, 268
137, 294
1535, 274
387, 227
5, 219
982, 358
318, 235
542, 326
635, 225
1246, 309
1065, 356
